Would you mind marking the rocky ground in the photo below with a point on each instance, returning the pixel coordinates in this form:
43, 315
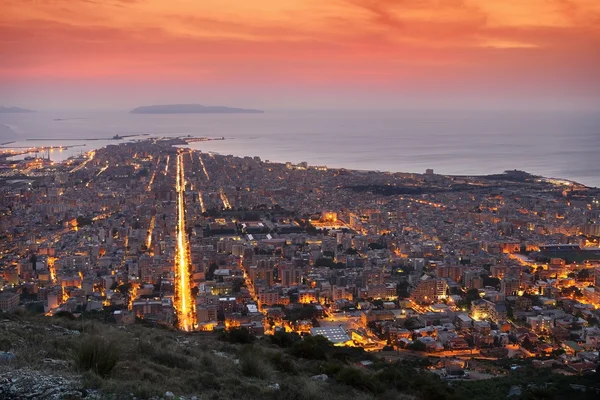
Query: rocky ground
24, 383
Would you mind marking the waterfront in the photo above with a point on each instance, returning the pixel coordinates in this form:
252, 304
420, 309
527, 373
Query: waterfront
553, 144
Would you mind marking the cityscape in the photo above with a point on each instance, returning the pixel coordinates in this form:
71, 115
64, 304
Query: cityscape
403, 265
299, 200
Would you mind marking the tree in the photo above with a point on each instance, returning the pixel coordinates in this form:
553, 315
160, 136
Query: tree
238, 335
210, 274
417, 345
83, 221
583, 275
124, 288
378, 303
312, 347
402, 289
491, 281
284, 339
472, 295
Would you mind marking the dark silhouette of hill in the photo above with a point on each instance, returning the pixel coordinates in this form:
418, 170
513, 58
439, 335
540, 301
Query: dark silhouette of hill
7, 110
191, 109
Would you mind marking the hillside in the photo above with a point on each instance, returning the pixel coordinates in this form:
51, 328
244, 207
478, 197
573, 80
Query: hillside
53, 357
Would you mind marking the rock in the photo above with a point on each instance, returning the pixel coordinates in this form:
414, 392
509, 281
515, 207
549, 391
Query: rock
21, 384
56, 362
169, 395
274, 386
322, 377
6, 357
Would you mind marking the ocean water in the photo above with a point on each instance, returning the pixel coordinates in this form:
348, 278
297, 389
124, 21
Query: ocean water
563, 144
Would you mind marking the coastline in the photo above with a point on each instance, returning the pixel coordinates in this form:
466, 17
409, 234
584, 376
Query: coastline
459, 143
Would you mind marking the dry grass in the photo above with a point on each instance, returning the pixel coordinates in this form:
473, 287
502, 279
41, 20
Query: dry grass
152, 361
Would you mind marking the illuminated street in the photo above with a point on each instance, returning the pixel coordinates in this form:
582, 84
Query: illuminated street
183, 295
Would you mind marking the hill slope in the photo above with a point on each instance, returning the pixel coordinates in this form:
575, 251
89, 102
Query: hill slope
65, 358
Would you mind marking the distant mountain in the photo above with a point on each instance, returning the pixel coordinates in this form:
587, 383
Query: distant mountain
6, 110
190, 109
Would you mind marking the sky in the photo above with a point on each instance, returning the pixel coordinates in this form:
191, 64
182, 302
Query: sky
301, 53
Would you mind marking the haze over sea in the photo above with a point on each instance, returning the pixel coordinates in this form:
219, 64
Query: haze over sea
559, 144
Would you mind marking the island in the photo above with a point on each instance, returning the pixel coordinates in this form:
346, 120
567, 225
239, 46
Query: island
7, 110
191, 109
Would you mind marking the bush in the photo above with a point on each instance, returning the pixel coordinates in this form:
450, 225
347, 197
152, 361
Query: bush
354, 377
283, 363
284, 339
312, 347
96, 354
209, 381
171, 360
254, 368
64, 314
238, 335
5, 344
91, 381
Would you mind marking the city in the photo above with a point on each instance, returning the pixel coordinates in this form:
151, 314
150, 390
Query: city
465, 269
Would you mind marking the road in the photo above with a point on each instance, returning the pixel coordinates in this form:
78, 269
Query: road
184, 304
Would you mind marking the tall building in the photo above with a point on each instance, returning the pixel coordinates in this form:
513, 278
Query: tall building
472, 279
261, 273
509, 286
9, 301
429, 290
290, 276
454, 272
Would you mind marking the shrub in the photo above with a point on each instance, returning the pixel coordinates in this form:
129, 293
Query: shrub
254, 368
172, 360
284, 339
312, 347
5, 344
64, 314
96, 354
209, 381
91, 380
354, 377
283, 363
238, 335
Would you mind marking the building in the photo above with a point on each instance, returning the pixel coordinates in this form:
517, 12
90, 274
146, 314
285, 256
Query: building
268, 298
9, 301
454, 272
429, 290
336, 335
472, 279
261, 273
482, 309
591, 229
540, 323
290, 276
510, 286
307, 296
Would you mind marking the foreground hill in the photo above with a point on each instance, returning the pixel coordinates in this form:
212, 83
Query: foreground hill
191, 109
66, 358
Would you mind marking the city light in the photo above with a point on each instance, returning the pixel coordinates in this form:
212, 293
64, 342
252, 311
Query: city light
183, 295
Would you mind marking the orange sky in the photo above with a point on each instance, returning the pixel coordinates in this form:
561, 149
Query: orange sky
298, 52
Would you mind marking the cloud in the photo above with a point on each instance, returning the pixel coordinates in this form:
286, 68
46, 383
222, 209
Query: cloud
396, 45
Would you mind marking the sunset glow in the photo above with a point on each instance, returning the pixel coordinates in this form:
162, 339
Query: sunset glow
370, 50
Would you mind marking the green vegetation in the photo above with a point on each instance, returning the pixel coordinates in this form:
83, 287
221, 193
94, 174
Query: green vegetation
145, 361
96, 354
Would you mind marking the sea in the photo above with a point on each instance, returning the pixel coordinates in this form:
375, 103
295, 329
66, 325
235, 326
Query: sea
557, 144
